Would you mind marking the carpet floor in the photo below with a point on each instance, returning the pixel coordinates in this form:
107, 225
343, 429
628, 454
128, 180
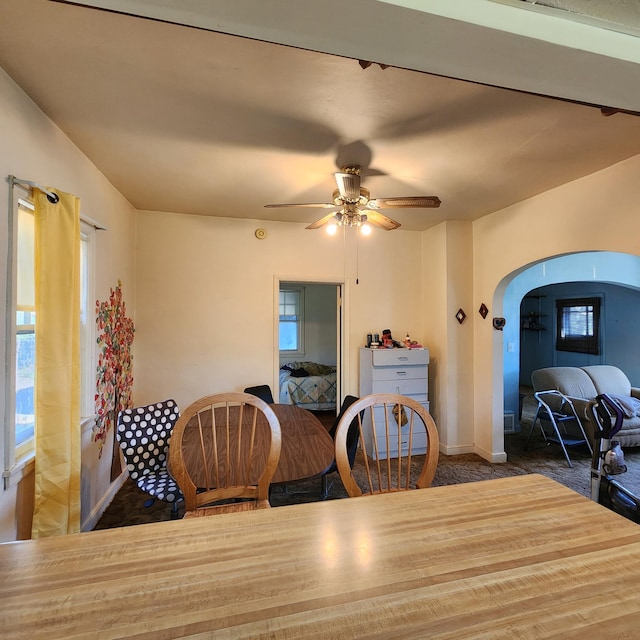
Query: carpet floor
127, 507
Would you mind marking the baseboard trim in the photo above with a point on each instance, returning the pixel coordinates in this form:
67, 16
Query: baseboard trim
490, 456
95, 515
483, 453
457, 450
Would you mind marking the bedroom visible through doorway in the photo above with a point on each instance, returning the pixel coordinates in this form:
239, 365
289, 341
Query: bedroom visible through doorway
309, 344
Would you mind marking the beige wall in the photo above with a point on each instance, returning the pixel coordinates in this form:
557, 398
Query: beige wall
206, 297
434, 321
447, 259
33, 148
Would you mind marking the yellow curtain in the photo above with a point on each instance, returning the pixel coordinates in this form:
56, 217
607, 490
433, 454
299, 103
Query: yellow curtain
57, 385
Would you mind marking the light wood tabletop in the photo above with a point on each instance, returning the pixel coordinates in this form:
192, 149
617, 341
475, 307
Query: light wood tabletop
520, 557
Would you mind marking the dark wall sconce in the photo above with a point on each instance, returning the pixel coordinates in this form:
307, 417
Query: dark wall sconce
498, 323
460, 316
483, 310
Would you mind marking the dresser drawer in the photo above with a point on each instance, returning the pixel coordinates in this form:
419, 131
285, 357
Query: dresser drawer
403, 386
398, 357
409, 372
419, 444
418, 447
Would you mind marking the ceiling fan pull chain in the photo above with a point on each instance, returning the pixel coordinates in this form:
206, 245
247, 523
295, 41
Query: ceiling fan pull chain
357, 256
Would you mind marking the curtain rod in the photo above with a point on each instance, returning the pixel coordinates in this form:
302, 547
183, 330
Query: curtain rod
51, 196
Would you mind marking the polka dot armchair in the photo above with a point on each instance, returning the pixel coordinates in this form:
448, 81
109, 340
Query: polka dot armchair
144, 434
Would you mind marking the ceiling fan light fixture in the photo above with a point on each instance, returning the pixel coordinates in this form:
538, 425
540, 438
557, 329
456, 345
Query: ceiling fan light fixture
332, 228
348, 186
349, 218
352, 200
365, 229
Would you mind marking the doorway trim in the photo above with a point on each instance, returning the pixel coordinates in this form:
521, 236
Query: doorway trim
342, 361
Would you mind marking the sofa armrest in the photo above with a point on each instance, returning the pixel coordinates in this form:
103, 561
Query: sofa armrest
635, 392
583, 402
557, 401
580, 405
571, 406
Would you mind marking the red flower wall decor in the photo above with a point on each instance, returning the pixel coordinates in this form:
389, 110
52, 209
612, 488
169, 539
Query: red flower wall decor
114, 379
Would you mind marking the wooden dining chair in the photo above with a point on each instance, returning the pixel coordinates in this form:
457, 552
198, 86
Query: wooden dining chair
352, 444
224, 451
263, 391
398, 441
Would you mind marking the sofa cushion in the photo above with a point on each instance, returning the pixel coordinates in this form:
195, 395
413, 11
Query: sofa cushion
571, 381
608, 379
587, 383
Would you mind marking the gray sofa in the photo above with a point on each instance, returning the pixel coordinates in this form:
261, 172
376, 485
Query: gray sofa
583, 384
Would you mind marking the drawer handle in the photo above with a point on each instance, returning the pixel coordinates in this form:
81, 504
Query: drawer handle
403, 358
401, 373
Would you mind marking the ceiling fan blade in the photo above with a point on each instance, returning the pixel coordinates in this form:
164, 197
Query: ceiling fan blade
322, 205
410, 202
348, 185
318, 223
382, 221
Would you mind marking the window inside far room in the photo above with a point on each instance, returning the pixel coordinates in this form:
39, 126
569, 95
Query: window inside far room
291, 320
578, 323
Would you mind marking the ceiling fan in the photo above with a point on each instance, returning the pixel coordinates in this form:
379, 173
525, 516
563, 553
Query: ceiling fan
355, 206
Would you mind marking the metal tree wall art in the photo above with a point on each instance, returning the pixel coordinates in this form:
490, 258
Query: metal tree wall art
114, 379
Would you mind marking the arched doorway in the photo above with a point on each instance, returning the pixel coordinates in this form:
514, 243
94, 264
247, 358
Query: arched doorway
595, 266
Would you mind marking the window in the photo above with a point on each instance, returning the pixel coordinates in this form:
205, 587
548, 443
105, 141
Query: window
25, 327
291, 314
87, 321
578, 323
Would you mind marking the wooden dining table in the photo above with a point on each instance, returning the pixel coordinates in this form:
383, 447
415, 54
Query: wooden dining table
306, 446
306, 450
521, 558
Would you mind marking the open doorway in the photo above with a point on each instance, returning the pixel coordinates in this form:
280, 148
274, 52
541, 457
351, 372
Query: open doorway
309, 344
613, 277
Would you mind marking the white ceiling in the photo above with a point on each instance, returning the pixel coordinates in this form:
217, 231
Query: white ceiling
192, 120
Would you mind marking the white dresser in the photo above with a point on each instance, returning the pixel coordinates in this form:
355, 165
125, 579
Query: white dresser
403, 371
